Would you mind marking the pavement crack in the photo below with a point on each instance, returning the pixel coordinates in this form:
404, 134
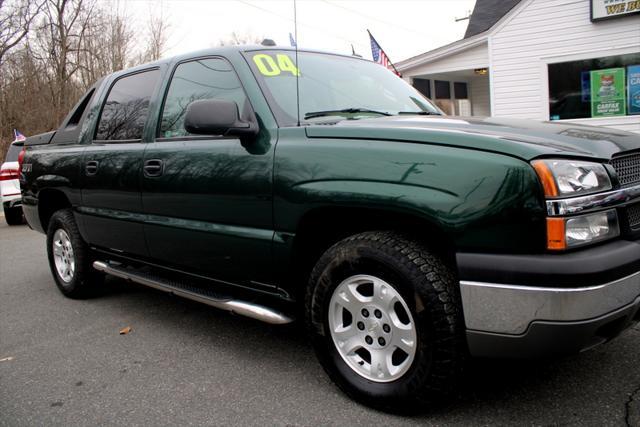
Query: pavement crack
631, 414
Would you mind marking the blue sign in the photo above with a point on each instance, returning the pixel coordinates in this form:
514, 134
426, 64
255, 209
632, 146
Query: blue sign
585, 79
633, 88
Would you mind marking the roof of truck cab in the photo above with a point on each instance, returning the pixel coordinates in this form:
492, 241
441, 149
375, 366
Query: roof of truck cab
225, 51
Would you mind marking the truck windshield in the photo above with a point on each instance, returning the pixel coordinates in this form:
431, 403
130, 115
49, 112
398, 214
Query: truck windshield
332, 86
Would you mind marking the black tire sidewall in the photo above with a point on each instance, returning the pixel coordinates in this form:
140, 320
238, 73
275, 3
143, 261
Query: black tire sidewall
363, 257
13, 216
77, 287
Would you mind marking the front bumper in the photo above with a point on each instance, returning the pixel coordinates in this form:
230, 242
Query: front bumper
596, 297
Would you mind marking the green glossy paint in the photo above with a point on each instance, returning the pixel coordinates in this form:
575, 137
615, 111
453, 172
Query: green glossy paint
484, 200
231, 209
227, 230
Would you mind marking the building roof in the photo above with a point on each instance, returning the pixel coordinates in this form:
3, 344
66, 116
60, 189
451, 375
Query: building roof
442, 51
486, 13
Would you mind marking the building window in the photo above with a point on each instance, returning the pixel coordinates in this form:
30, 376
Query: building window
460, 90
443, 89
443, 96
423, 86
600, 87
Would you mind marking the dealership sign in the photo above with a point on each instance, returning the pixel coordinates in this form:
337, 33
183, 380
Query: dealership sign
605, 9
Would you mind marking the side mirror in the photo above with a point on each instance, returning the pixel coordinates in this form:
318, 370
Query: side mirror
218, 117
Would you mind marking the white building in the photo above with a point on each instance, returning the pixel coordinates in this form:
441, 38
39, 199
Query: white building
540, 59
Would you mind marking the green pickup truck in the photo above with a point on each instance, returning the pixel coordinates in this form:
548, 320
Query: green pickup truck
278, 185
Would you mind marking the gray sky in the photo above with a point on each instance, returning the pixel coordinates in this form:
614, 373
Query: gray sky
403, 28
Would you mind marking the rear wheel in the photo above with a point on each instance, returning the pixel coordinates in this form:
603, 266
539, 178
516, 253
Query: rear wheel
384, 316
13, 216
70, 257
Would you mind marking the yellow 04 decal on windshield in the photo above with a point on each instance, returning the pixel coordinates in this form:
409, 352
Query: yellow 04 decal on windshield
270, 66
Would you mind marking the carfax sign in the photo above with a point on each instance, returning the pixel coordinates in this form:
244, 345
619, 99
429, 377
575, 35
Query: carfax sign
607, 92
633, 88
605, 9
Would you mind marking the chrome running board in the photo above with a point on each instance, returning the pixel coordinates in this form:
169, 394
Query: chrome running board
243, 308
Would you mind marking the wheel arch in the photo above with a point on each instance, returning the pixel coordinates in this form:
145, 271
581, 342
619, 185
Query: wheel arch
320, 228
50, 201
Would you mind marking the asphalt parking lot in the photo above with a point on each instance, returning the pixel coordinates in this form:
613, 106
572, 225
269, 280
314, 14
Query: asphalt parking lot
63, 362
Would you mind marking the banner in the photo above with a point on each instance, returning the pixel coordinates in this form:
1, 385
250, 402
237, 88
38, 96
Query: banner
605, 9
633, 88
607, 92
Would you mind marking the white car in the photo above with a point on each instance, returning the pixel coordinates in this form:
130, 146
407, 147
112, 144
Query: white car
10, 186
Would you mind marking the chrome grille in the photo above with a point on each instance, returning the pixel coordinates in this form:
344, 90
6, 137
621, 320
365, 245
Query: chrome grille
633, 216
627, 168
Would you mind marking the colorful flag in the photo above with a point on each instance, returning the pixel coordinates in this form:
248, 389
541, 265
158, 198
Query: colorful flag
380, 56
292, 40
18, 136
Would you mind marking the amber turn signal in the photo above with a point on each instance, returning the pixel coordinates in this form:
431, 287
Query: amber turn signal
546, 178
556, 236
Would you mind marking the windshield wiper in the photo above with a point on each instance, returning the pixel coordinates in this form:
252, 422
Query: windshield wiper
313, 114
420, 113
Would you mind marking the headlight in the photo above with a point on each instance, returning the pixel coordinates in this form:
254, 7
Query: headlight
571, 177
566, 233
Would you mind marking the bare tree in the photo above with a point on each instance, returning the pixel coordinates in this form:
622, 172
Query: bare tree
51, 51
240, 38
24, 97
16, 18
107, 45
59, 42
158, 33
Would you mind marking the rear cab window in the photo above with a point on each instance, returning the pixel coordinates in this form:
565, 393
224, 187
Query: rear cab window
125, 111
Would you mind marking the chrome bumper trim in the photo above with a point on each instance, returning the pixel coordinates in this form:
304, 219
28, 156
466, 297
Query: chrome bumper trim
510, 309
593, 202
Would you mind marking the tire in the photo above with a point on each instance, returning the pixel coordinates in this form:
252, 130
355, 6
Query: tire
13, 216
400, 270
73, 253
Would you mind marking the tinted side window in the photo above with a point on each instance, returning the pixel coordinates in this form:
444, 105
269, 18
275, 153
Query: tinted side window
127, 106
81, 106
194, 80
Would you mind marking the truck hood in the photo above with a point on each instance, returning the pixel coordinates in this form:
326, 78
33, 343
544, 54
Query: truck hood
525, 139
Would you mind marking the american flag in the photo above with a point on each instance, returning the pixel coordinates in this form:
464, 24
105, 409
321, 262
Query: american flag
379, 56
18, 136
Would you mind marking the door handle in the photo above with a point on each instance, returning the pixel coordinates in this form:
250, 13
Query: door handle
153, 167
91, 167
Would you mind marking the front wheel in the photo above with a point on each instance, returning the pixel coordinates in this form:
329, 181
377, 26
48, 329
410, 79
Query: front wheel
384, 316
70, 257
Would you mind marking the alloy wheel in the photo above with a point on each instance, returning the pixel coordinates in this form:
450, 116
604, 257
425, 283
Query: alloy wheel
372, 328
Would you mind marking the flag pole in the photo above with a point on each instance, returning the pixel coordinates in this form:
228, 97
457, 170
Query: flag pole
390, 62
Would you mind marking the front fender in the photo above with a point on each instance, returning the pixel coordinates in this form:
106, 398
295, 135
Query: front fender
482, 200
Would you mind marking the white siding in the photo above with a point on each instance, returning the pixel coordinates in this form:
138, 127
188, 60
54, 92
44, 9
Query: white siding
474, 57
479, 91
547, 31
